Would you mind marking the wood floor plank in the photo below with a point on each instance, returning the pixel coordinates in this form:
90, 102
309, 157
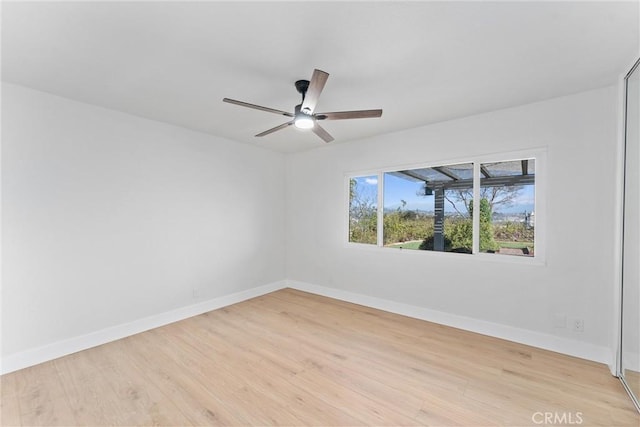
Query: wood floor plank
42, 398
297, 359
258, 355
143, 403
90, 394
190, 382
9, 401
148, 361
450, 409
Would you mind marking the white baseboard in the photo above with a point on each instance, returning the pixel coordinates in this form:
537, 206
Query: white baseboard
34, 356
566, 346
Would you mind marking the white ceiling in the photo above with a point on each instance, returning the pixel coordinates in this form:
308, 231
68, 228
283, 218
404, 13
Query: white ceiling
422, 62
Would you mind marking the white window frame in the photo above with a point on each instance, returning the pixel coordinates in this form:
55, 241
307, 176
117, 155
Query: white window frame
540, 194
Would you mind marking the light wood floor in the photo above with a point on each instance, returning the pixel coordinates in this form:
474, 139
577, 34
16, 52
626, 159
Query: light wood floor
292, 358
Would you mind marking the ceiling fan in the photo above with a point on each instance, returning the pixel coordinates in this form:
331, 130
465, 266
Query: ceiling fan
303, 115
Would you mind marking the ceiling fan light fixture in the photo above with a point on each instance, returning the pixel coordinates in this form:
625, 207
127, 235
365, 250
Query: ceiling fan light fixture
303, 121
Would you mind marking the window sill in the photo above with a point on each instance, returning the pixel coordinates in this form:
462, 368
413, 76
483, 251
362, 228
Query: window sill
478, 257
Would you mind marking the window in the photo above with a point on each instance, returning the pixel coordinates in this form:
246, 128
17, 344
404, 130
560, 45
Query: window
422, 210
363, 208
507, 207
432, 208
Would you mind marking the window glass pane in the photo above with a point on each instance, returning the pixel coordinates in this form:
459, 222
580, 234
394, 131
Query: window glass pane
363, 205
428, 208
507, 207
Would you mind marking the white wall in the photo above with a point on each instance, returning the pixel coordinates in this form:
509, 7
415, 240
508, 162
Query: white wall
109, 218
579, 133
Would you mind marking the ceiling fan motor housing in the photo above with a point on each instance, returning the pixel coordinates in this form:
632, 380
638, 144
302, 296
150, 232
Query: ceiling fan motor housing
298, 110
302, 86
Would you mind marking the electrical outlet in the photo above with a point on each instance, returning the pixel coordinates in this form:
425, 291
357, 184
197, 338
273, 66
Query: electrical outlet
196, 292
577, 325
